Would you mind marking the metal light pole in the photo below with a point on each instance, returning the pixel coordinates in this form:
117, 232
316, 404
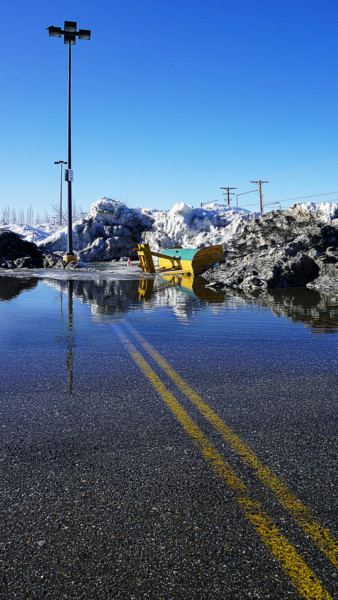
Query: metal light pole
69, 34
60, 162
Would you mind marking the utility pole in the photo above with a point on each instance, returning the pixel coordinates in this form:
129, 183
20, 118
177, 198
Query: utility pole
259, 183
228, 192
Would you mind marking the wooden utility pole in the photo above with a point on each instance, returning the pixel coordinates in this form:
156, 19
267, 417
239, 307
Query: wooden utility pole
259, 183
228, 192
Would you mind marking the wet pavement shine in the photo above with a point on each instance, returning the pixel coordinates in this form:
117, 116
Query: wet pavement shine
166, 441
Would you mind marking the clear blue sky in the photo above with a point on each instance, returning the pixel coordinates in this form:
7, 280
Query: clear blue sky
172, 99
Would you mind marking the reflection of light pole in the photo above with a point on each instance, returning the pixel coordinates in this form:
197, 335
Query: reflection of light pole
70, 338
69, 33
60, 162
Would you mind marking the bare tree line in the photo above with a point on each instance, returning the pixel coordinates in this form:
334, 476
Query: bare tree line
30, 217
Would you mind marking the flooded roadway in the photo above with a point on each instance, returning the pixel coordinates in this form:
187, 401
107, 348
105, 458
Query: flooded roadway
167, 441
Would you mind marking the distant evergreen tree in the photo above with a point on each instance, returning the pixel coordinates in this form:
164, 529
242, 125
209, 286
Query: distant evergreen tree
30, 216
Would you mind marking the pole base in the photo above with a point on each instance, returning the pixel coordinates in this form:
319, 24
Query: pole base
67, 258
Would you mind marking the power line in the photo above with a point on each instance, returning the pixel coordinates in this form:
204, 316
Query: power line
326, 163
312, 196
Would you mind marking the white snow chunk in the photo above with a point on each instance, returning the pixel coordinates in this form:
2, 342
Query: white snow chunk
325, 211
192, 227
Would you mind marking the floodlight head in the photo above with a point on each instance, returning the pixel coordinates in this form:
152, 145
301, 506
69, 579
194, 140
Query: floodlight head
70, 26
54, 31
84, 34
69, 38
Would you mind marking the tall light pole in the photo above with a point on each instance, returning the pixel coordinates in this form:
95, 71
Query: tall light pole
69, 35
60, 162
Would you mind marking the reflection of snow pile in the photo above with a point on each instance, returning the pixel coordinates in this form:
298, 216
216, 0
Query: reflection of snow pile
194, 227
111, 300
32, 234
112, 229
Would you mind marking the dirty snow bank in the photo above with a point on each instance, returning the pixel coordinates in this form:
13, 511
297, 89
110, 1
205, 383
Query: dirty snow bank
283, 248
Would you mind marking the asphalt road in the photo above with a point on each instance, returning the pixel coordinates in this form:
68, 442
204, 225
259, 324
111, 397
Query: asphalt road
145, 466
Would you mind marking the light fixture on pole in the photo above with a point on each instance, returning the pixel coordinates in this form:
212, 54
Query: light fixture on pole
69, 34
60, 162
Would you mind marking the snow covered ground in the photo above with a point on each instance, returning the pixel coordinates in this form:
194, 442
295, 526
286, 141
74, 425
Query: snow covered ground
32, 234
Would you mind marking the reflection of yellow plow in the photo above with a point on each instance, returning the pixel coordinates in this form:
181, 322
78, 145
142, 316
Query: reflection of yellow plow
194, 286
146, 288
179, 260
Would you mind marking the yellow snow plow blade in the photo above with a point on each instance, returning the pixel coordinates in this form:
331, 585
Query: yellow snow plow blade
179, 260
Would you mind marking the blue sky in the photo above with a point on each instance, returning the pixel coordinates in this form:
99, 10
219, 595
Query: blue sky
172, 99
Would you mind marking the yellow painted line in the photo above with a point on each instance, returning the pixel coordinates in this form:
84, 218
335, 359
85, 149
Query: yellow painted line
319, 534
301, 576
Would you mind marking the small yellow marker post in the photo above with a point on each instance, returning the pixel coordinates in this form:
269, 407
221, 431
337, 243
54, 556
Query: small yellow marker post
68, 258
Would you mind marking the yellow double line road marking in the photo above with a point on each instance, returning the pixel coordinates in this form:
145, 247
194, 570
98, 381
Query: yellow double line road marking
321, 536
299, 573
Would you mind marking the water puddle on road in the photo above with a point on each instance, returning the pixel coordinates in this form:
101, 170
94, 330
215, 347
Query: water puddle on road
90, 370
183, 297
72, 313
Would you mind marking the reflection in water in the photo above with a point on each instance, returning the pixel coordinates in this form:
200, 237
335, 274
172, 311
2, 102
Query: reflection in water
195, 286
10, 287
111, 297
316, 310
187, 296
67, 338
70, 338
146, 288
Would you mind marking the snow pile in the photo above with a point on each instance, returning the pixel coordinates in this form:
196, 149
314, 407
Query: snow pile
110, 231
194, 227
32, 234
283, 248
323, 211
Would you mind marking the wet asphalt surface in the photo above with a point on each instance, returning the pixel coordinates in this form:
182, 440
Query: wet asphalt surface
105, 494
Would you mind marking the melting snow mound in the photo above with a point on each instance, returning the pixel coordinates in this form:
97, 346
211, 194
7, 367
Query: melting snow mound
190, 227
112, 230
